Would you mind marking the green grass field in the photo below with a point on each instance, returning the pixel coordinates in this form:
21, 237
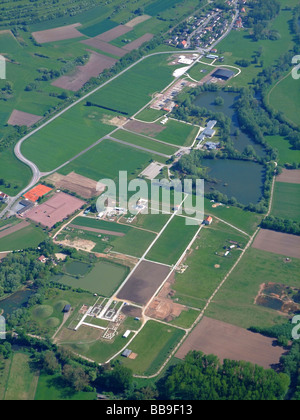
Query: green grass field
178, 133
53, 388
22, 382
246, 221
104, 279
172, 243
97, 163
287, 92
152, 345
235, 301
207, 265
49, 316
286, 152
29, 237
286, 203
15, 174
147, 143
150, 115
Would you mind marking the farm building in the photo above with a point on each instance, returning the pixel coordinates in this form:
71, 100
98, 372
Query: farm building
223, 74
3, 197
208, 220
127, 334
126, 353
24, 206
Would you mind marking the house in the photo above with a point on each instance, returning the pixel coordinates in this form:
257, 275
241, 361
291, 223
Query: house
42, 259
3, 197
208, 221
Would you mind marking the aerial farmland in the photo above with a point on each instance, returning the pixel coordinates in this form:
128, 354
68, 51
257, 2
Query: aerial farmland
149, 201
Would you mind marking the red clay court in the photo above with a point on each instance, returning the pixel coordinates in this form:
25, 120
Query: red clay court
55, 210
37, 192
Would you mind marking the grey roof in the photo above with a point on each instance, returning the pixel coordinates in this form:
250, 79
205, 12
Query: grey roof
223, 74
209, 132
126, 353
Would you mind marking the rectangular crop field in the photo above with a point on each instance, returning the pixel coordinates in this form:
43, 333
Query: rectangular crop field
173, 242
147, 143
286, 203
144, 282
107, 159
103, 279
278, 243
230, 342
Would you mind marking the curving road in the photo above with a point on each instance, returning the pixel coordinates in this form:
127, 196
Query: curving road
37, 174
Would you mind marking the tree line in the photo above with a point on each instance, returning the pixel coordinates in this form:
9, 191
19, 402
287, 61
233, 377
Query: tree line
279, 224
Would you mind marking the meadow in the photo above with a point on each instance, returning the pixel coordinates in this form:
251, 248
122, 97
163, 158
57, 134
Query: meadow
244, 220
234, 303
103, 279
152, 345
207, 264
286, 202
178, 133
287, 92
287, 154
49, 316
78, 128
29, 237
21, 381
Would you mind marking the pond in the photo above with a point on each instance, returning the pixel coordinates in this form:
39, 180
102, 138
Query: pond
235, 178
77, 268
242, 140
15, 301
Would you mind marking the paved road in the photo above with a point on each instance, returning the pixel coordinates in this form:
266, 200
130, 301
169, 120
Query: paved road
36, 173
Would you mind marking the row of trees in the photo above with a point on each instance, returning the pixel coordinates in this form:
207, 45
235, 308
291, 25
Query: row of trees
281, 225
198, 377
290, 361
202, 377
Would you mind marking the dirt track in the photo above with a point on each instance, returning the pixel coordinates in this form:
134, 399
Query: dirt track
230, 342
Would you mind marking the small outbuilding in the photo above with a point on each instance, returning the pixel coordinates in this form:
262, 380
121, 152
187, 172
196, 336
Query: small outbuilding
67, 309
126, 353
